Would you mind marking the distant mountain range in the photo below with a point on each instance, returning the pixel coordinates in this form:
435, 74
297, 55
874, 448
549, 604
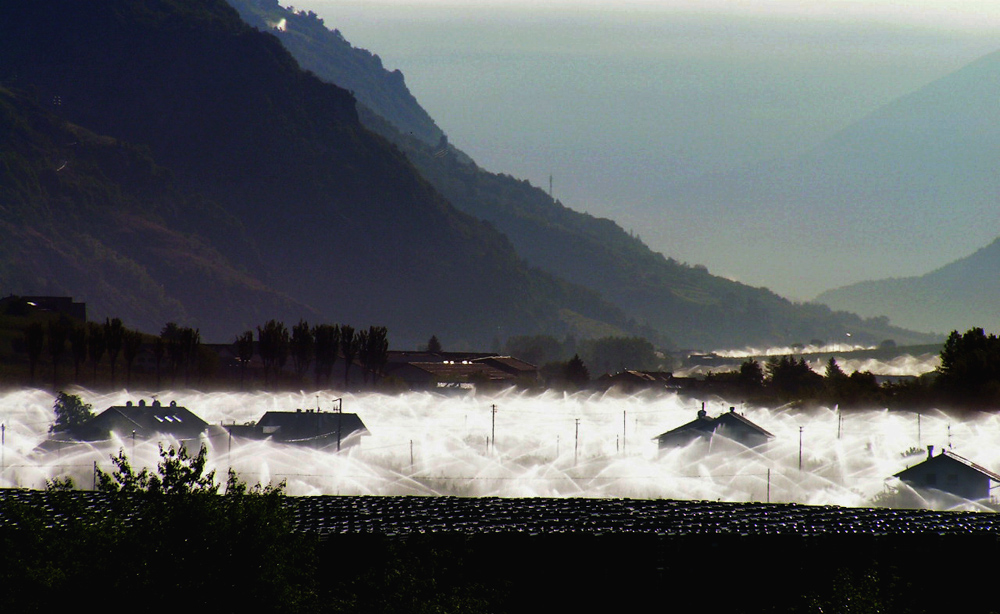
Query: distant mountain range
959, 296
164, 161
908, 188
682, 303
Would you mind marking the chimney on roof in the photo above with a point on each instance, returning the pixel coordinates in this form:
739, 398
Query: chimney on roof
701, 412
732, 410
930, 452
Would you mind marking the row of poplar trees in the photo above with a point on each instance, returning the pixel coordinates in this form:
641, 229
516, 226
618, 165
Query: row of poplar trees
84, 341
317, 347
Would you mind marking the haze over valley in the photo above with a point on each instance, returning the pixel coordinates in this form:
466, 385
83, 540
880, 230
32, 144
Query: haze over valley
711, 129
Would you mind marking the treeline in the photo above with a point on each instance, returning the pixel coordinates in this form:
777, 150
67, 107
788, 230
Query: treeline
317, 348
968, 378
787, 379
45, 348
608, 354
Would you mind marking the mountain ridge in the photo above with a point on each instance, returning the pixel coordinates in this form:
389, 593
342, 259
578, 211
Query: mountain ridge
337, 217
960, 295
684, 303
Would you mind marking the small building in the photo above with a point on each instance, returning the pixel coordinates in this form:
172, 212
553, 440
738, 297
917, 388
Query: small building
144, 421
520, 369
452, 374
730, 425
948, 472
313, 428
631, 380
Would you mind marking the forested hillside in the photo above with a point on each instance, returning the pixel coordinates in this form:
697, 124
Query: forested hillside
287, 184
89, 216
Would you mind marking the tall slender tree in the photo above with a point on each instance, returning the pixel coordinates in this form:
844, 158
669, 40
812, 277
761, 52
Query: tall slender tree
58, 333
272, 345
303, 345
95, 345
78, 349
34, 341
327, 348
375, 351
131, 347
114, 337
349, 345
244, 352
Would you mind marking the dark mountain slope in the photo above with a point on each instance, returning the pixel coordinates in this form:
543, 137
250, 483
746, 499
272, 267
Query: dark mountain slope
682, 303
341, 220
91, 217
961, 295
326, 53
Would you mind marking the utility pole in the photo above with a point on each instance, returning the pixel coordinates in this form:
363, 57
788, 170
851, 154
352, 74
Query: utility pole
800, 448
493, 435
624, 428
576, 445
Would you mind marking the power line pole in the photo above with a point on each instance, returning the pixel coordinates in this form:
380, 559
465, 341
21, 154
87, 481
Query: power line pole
800, 448
576, 445
493, 435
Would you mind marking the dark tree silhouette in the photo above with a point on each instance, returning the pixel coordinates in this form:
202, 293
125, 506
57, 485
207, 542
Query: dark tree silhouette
576, 372
327, 338
793, 379
751, 375
272, 345
132, 345
433, 345
34, 341
375, 351
969, 374
349, 345
95, 345
58, 333
190, 341
171, 338
114, 338
363, 347
244, 352
303, 345
71, 413
159, 351
78, 349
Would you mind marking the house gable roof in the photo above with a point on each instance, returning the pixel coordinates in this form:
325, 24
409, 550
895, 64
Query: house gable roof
730, 422
947, 457
145, 420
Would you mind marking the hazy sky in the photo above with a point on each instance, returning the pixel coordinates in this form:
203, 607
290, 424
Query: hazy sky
621, 101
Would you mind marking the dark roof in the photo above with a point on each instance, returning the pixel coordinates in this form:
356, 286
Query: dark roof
320, 429
731, 422
405, 357
733, 419
509, 364
948, 457
700, 425
145, 420
311, 423
458, 371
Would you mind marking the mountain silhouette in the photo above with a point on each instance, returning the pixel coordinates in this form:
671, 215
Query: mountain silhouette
958, 296
673, 301
909, 187
317, 207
